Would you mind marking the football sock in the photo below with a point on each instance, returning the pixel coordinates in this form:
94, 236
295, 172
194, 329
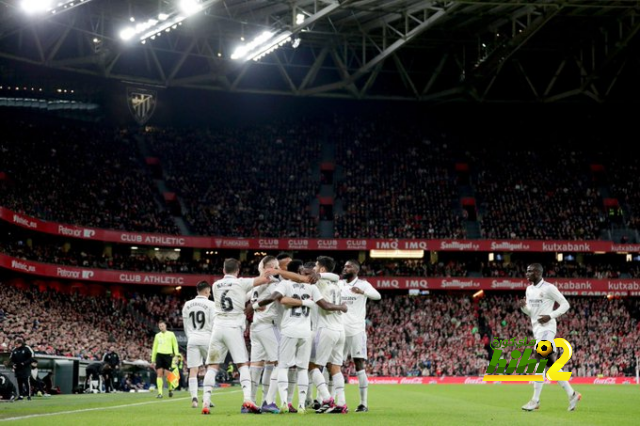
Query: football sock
566, 386
537, 389
283, 383
364, 386
208, 383
245, 382
266, 380
338, 383
193, 387
292, 384
273, 387
256, 372
160, 385
303, 385
321, 385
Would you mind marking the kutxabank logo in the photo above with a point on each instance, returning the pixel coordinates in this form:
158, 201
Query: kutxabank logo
528, 362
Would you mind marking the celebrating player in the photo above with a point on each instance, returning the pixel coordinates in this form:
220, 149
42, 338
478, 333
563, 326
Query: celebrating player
295, 344
229, 295
265, 335
197, 317
355, 293
540, 298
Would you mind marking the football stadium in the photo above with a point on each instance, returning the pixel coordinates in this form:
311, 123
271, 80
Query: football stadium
400, 212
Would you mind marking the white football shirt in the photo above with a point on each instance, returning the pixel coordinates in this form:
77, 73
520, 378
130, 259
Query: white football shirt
197, 318
229, 295
268, 315
540, 301
296, 321
331, 292
354, 319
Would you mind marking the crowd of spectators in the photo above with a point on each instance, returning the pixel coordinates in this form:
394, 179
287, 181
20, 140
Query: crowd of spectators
88, 175
618, 176
397, 183
604, 334
243, 182
521, 194
72, 325
447, 335
435, 335
149, 260
393, 180
588, 268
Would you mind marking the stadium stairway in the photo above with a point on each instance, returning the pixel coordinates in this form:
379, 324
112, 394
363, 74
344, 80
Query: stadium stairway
327, 194
162, 188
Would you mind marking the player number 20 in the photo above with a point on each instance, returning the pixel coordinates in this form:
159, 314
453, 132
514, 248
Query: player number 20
298, 311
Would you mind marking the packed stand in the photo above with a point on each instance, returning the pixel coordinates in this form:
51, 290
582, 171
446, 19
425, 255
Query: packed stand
243, 182
603, 333
522, 194
589, 268
424, 336
621, 171
53, 323
79, 174
438, 335
167, 261
398, 182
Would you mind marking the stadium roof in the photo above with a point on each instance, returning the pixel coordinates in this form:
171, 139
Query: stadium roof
430, 51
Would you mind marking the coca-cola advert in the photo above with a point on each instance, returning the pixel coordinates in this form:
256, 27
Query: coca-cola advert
467, 380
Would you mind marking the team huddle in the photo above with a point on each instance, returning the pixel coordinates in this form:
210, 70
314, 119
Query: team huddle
306, 322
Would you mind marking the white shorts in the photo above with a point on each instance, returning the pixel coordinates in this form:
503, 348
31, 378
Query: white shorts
197, 349
546, 335
356, 346
264, 344
328, 347
294, 352
227, 340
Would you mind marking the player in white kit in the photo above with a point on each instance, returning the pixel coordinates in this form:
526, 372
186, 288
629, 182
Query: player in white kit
328, 341
355, 293
295, 343
264, 333
229, 295
538, 304
197, 319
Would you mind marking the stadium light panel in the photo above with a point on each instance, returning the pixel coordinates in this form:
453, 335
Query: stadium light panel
265, 43
34, 7
189, 7
164, 22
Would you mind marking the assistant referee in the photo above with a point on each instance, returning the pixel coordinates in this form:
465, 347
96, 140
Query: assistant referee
165, 346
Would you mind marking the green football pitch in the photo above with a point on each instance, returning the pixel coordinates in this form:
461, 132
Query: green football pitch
389, 405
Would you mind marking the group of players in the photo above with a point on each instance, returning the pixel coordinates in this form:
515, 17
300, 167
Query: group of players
306, 322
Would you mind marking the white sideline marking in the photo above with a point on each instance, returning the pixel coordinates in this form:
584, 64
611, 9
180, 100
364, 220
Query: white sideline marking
84, 410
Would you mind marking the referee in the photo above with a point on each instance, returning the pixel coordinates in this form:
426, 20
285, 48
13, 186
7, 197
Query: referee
165, 346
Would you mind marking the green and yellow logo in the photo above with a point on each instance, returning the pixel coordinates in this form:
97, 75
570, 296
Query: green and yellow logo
527, 361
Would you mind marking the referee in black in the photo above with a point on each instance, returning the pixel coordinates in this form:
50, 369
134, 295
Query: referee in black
21, 358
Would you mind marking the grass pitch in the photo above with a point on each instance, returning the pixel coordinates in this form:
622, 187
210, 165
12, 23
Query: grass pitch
389, 405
